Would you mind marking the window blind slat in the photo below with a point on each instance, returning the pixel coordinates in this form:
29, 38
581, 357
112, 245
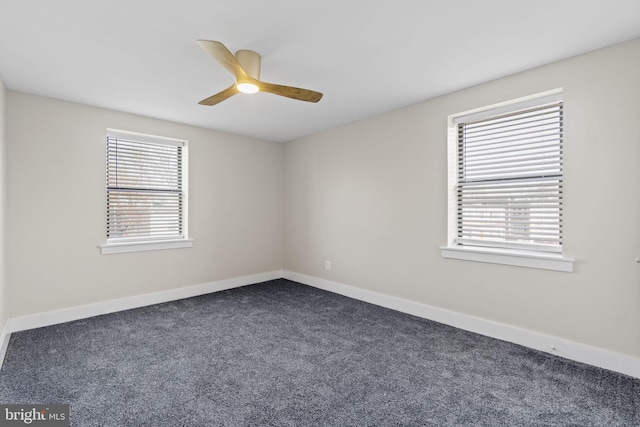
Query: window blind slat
484, 169
512, 115
511, 135
135, 150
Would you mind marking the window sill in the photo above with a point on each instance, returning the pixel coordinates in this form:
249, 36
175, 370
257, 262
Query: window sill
509, 257
157, 245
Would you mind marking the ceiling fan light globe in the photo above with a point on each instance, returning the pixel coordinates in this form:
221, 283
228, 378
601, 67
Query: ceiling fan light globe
247, 87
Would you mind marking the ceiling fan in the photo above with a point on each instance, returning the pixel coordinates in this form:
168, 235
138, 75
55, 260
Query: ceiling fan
245, 66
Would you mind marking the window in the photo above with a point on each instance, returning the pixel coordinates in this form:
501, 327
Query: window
508, 185
146, 193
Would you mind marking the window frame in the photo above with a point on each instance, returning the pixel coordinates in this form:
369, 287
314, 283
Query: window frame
150, 243
493, 253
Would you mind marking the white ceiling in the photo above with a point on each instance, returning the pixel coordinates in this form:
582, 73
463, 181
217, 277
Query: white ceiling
366, 56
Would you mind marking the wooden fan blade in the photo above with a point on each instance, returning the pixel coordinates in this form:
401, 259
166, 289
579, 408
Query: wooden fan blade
220, 96
224, 57
291, 92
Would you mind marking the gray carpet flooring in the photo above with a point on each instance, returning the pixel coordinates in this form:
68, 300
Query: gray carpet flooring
283, 354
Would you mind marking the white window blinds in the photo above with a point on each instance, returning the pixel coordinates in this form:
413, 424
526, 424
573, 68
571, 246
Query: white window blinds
144, 189
509, 184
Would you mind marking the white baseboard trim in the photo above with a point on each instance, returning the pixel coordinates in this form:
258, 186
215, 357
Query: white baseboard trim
578, 352
4, 342
82, 312
595, 356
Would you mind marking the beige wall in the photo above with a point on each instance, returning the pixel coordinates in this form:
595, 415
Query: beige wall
56, 208
372, 198
3, 279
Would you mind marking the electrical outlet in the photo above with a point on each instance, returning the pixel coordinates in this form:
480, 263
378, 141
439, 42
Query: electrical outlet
327, 265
